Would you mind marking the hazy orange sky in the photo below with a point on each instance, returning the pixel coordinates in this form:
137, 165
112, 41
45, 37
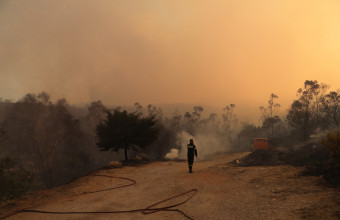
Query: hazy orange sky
169, 51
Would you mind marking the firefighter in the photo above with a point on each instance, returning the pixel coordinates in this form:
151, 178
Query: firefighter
191, 152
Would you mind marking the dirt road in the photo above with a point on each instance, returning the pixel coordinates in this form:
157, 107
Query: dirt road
224, 192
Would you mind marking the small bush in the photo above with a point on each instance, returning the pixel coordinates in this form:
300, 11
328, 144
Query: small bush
332, 166
14, 179
333, 144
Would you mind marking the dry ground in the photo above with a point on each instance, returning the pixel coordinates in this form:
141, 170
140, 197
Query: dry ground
224, 192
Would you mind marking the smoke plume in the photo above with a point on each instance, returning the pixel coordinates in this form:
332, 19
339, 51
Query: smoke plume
207, 145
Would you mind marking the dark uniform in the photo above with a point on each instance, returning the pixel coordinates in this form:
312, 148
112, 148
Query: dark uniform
191, 152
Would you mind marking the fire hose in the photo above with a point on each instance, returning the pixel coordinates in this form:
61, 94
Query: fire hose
148, 210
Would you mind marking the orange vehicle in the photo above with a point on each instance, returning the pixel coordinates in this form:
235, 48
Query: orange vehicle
260, 143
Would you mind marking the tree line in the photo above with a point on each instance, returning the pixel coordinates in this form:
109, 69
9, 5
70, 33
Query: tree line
44, 139
314, 110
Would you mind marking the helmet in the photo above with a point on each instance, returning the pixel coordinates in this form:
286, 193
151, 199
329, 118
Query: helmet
191, 141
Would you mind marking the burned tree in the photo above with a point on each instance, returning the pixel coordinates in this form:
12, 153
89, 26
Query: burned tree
40, 133
305, 113
270, 121
229, 118
331, 106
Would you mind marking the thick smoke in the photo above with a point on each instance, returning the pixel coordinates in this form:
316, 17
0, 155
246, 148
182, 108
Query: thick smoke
173, 154
127, 51
207, 145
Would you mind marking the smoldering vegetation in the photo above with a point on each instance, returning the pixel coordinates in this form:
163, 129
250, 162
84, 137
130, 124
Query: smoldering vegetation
308, 135
46, 139
212, 134
46, 144
56, 142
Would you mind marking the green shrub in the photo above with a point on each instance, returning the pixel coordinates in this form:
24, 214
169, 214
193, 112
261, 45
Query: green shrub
14, 179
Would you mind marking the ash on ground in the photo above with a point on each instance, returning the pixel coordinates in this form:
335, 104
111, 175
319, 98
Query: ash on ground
316, 159
300, 155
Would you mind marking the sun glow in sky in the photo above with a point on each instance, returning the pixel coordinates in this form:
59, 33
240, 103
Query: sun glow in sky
196, 52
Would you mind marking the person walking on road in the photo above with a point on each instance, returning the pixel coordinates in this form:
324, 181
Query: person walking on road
192, 151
